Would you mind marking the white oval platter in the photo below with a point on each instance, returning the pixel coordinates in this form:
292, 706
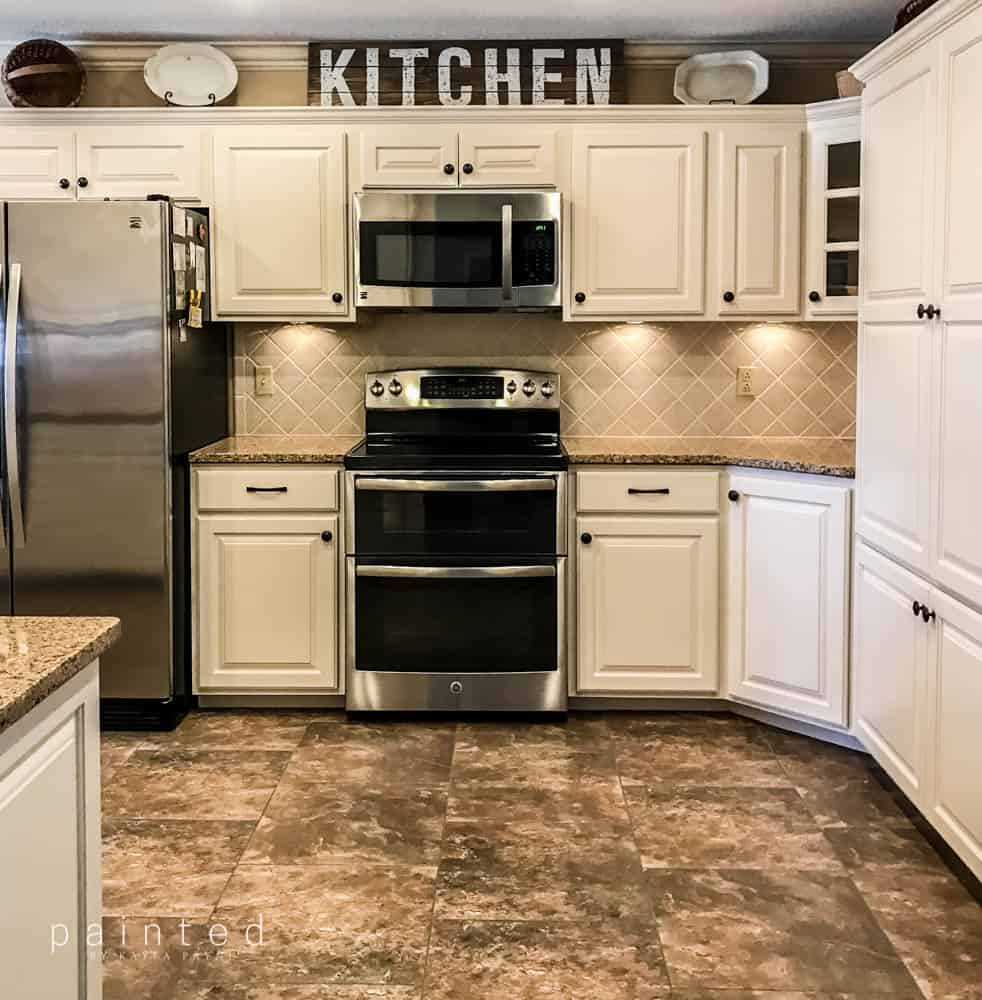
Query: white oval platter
722, 78
191, 74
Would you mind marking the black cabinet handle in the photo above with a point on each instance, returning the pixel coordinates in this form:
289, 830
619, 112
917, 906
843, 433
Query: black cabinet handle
579, 297
448, 169
337, 297
728, 296
917, 608
664, 491
586, 538
266, 489
921, 311
814, 297
932, 312
327, 536
733, 495
468, 168
64, 183
83, 182
928, 616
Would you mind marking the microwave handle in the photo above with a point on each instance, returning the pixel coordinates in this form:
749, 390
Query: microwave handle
507, 289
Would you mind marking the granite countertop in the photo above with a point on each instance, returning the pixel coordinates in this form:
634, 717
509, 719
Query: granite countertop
38, 655
306, 448
819, 456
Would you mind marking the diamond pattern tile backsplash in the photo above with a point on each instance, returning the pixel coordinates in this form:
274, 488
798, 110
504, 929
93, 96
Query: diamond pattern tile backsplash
676, 379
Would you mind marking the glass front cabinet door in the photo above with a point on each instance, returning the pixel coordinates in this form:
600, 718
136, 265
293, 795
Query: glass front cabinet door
832, 224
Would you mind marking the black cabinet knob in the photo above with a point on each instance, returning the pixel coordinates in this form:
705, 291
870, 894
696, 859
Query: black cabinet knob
327, 536
733, 496
337, 297
64, 183
928, 616
921, 311
814, 297
83, 182
586, 538
728, 296
931, 312
468, 168
916, 608
579, 297
448, 168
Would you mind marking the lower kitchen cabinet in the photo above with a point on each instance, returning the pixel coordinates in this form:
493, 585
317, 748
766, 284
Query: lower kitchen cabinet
267, 595
647, 604
787, 624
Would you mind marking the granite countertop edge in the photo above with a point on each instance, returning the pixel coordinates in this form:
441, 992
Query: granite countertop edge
773, 464
31, 691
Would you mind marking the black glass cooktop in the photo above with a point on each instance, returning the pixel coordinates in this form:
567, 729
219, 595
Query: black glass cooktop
519, 452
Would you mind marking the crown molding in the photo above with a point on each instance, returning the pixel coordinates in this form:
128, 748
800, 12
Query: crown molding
830, 111
840, 54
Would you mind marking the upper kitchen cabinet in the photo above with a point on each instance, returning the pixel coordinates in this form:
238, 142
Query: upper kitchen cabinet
758, 197
444, 157
119, 161
280, 232
832, 210
638, 221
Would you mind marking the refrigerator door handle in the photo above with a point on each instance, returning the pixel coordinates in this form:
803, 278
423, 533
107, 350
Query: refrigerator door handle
3, 520
10, 406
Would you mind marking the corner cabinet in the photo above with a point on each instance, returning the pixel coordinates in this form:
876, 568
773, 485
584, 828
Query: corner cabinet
280, 227
266, 580
787, 620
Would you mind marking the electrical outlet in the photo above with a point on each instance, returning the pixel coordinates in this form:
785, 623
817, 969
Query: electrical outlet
746, 380
264, 380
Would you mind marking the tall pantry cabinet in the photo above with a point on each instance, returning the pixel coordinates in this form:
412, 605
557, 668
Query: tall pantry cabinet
918, 582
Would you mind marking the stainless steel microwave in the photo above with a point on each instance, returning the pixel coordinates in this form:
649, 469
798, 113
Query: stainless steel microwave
458, 249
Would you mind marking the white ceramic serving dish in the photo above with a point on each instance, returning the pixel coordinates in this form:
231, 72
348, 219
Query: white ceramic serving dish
191, 74
722, 78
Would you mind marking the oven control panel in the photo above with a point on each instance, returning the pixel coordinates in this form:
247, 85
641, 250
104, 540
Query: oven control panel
480, 388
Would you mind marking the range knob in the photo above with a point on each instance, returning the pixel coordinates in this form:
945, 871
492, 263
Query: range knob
395, 387
512, 387
547, 389
376, 388
528, 387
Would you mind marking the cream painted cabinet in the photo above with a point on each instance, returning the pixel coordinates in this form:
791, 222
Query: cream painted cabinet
280, 226
638, 221
758, 199
787, 623
267, 602
508, 156
37, 162
647, 604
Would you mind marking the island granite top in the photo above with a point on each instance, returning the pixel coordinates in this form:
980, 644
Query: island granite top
38, 655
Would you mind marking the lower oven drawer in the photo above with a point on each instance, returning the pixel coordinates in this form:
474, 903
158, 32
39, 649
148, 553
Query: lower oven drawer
459, 619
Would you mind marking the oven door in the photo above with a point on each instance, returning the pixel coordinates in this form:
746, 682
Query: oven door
478, 515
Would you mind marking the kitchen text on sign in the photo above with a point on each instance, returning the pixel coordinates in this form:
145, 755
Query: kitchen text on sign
460, 73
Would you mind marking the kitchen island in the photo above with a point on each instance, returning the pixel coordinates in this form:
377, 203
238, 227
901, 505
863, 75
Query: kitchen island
49, 806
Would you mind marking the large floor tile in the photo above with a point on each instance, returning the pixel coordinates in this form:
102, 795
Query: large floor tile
195, 784
309, 822
934, 924
168, 867
612, 960
805, 760
239, 730
808, 932
892, 847
690, 827
845, 802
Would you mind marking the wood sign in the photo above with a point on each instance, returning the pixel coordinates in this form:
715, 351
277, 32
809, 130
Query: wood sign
457, 74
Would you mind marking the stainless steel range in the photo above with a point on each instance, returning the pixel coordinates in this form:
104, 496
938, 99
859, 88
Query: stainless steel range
456, 540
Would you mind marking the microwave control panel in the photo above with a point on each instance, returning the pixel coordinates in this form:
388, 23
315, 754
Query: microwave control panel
534, 252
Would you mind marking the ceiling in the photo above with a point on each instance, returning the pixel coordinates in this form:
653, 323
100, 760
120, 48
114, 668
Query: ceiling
658, 20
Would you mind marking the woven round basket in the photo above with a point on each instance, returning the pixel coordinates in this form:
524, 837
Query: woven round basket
909, 11
42, 74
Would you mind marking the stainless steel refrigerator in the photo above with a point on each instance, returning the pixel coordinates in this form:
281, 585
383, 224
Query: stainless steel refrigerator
106, 390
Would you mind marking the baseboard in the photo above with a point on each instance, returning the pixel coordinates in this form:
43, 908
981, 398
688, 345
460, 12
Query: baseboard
615, 703
838, 737
300, 701
142, 714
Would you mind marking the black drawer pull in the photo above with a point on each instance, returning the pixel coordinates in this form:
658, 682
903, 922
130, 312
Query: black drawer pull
266, 489
664, 491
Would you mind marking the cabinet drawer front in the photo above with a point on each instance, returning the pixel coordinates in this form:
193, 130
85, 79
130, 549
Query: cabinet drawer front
665, 491
268, 487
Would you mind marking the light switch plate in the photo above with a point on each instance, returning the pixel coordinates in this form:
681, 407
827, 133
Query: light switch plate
264, 380
746, 380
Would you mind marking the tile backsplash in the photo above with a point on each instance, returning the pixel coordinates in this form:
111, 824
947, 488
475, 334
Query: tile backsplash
675, 379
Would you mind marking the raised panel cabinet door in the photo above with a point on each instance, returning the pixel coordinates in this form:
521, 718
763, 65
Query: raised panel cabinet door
894, 438
957, 535
899, 153
267, 602
508, 156
760, 205
788, 580
133, 161
959, 205
280, 229
954, 795
37, 163
638, 209
890, 651
407, 156
647, 608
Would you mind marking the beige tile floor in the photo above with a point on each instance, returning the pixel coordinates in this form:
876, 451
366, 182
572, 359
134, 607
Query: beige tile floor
615, 857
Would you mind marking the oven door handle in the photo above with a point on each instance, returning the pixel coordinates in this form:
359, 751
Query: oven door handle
456, 572
544, 485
